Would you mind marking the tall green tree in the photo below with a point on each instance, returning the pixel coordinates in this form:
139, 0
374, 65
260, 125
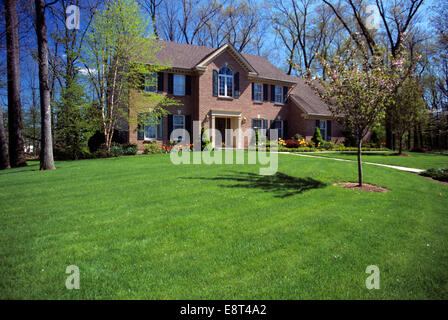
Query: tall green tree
15, 126
4, 158
76, 119
118, 52
409, 108
46, 144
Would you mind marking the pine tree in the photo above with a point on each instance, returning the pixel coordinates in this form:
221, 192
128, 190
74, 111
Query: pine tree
317, 137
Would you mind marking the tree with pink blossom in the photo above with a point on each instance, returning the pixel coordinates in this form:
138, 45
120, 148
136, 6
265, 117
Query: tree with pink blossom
358, 89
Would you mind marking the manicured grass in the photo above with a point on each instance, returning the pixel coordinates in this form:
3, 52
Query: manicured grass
141, 227
417, 160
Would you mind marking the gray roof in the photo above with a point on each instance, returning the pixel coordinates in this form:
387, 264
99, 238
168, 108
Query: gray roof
187, 56
310, 102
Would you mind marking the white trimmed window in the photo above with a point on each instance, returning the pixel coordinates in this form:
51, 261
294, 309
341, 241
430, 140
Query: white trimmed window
258, 92
154, 131
178, 123
179, 85
278, 94
323, 129
278, 124
151, 82
257, 124
225, 82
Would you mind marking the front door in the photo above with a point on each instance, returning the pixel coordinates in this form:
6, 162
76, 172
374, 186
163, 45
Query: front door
221, 124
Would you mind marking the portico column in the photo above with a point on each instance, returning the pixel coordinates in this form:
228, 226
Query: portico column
238, 136
212, 131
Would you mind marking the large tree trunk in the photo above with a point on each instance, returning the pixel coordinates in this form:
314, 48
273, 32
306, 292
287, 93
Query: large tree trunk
46, 146
400, 148
359, 163
4, 158
16, 144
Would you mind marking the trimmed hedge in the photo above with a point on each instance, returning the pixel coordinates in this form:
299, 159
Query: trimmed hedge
437, 174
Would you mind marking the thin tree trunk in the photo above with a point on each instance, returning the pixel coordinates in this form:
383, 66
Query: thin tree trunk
46, 146
416, 143
400, 147
409, 140
4, 158
359, 163
16, 143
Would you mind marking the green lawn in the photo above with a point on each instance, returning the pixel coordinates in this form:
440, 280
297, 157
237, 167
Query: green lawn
141, 227
416, 160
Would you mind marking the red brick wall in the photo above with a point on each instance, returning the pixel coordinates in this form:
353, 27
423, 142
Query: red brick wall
202, 101
244, 104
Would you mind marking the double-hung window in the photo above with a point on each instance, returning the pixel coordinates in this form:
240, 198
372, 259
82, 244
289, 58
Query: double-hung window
257, 124
179, 85
151, 82
179, 123
278, 125
258, 92
153, 131
225, 82
323, 128
278, 94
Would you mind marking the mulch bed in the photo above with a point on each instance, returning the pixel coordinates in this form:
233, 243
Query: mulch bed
441, 182
365, 187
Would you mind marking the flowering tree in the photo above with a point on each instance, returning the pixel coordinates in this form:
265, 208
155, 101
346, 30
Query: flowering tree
359, 88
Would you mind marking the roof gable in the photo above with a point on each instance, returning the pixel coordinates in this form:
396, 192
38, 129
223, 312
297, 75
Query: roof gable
202, 65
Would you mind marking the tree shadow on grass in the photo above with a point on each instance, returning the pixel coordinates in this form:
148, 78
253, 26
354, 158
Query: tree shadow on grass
28, 168
280, 184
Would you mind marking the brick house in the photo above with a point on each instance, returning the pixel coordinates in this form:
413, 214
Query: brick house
224, 89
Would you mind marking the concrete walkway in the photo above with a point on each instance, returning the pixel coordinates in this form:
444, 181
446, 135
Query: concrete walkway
413, 170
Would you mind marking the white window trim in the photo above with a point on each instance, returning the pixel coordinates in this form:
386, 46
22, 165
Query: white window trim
281, 121
157, 131
261, 122
183, 127
260, 92
180, 94
225, 77
276, 94
147, 88
325, 127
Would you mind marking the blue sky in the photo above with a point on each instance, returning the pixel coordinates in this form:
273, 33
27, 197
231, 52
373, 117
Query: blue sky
29, 69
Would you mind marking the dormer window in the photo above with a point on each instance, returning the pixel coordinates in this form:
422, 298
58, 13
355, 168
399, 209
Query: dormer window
225, 82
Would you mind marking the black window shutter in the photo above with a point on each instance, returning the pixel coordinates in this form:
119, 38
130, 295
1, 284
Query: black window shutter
188, 126
188, 85
272, 93
265, 124
170, 126
236, 84
285, 129
160, 81
170, 83
140, 127
160, 129
329, 130
215, 83
318, 123
253, 91
285, 94
265, 92
141, 80
253, 123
